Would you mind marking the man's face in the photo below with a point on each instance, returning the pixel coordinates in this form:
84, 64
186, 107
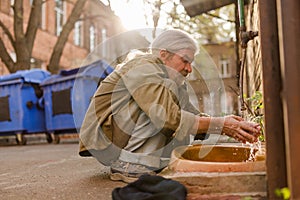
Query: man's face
179, 61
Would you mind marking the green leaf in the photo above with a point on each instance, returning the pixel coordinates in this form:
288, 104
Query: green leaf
283, 192
247, 198
286, 193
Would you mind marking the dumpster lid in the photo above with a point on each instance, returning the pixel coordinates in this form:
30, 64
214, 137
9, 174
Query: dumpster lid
98, 69
30, 76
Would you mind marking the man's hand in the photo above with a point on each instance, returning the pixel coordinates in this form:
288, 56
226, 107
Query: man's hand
231, 125
241, 130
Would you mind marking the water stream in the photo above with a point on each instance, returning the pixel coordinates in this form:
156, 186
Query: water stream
256, 151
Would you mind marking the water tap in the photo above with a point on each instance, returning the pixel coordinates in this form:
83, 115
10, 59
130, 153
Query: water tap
246, 36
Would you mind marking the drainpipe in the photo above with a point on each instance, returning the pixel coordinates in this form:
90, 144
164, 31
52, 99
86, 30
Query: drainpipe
237, 53
245, 37
241, 13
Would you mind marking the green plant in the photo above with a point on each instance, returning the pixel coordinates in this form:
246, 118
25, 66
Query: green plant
283, 193
254, 106
247, 198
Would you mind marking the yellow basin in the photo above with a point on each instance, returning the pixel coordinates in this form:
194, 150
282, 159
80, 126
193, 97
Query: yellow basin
216, 158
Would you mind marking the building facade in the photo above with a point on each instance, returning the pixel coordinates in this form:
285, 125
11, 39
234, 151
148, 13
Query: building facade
96, 23
216, 84
224, 56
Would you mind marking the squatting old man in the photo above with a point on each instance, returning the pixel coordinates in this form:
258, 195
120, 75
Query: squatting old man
141, 111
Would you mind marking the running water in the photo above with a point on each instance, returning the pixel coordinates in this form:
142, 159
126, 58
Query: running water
256, 151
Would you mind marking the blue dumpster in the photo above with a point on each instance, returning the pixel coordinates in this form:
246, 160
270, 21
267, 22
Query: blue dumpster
20, 110
67, 96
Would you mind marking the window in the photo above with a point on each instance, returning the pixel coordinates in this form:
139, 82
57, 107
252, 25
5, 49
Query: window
227, 103
104, 47
92, 37
43, 14
59, 16
77, 33
224, 66
12, 3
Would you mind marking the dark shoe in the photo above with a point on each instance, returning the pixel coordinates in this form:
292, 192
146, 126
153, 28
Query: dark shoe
151, 187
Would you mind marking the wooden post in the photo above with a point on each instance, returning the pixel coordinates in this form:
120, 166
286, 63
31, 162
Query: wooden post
274, 127
289, 44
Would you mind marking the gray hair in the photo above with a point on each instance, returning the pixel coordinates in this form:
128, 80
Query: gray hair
173, 41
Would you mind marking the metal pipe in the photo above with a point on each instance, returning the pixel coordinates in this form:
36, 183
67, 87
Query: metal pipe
245, 37
242, 29
241, 81
241, 13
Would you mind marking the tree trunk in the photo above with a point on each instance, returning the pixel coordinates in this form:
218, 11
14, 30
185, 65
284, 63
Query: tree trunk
21, 48
5, 57
33, 23
53, 66
20, 41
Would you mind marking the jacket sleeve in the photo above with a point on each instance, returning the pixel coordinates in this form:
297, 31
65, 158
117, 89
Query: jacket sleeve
158, 97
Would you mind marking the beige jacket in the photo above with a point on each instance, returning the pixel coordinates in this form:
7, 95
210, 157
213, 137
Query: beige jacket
136, 101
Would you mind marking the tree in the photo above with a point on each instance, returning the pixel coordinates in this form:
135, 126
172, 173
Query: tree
22, 40
155, 14
62, 39
211, 27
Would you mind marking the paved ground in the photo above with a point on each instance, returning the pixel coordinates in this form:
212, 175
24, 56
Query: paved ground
42, 171
45, 171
